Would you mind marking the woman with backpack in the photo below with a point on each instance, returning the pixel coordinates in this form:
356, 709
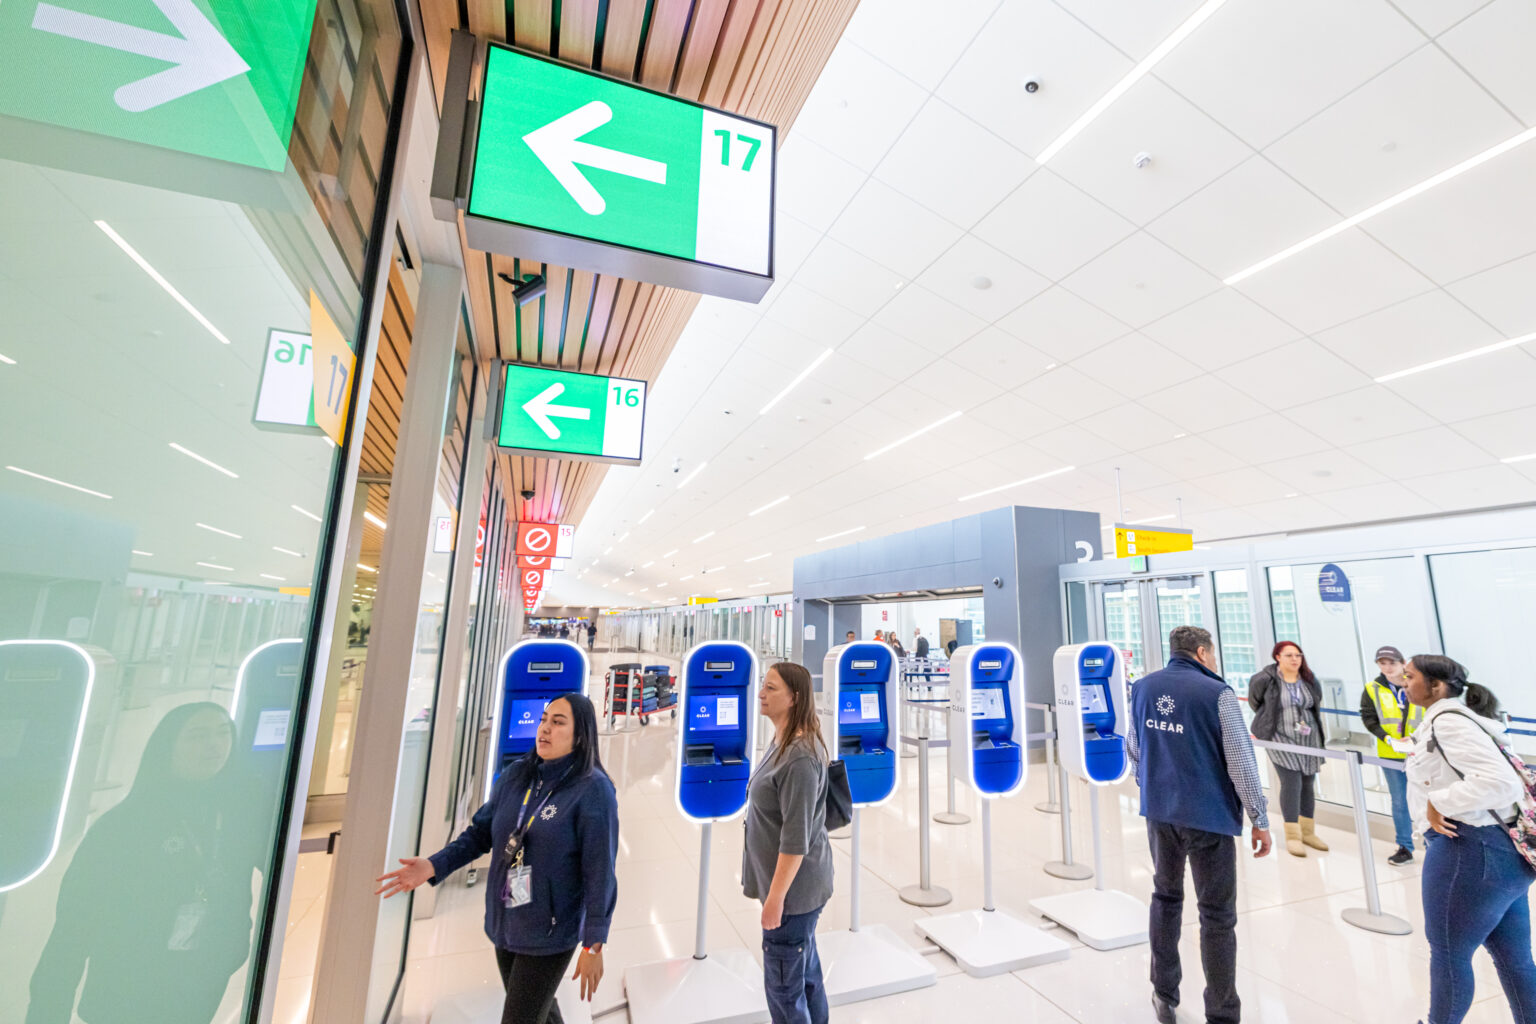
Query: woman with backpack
1469, 790
786, 861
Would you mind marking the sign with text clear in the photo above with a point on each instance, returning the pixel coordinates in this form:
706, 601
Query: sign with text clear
545, 539
581, 416
575, 168
1131, 541
1333, 585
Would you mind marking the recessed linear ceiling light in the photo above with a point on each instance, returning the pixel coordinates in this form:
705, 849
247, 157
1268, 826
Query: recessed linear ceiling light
215, 529
682, 579
915, 434
269, 576
142, 554
840, 533
758, 558
718, 568
285, 551
207, 462
725, 590
704, 537
159, 280
375, 520
647, 565
308, 514
7, 360
660, 585
366, 568
1386, 204
1519, 458
1135, 75
623, 538
1471, 353
61, 483
669, 554
765, 508
1019, 483
645, 517
759, 583
210, 565
608, 552
689, 478
825, 355
630, 573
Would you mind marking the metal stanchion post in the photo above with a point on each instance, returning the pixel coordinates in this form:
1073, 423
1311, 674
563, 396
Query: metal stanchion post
986, 855
1052, 804
701, 927
925, 893
853, 884
950, 816
1371, 918
1066, 868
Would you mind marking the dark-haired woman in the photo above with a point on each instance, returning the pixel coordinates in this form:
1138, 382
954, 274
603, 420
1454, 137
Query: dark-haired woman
787, 860
1285, 698
552, 829
1463, 789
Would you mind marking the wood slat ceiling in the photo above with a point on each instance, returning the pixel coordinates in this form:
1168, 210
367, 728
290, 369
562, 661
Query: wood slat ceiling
758, 58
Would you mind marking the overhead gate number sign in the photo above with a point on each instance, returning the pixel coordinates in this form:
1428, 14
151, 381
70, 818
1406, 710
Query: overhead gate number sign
580, 415
572, 167
556, 540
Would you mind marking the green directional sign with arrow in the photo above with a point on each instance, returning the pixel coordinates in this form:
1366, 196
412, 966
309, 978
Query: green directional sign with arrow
577, 168
578, 415
215, 78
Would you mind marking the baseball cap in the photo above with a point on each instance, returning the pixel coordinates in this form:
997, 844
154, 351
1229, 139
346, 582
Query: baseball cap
1389, 652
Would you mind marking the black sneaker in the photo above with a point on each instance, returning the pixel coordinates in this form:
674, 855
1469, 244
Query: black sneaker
1401, 857
1164, 1010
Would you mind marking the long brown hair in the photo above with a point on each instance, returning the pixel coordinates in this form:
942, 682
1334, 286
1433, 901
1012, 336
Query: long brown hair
804, 725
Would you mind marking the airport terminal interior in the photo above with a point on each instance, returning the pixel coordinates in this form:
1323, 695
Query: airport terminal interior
441, 357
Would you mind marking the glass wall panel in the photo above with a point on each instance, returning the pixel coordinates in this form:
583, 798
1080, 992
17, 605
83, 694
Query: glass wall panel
1178, 604
1487, 603
1234, 627
1122, 623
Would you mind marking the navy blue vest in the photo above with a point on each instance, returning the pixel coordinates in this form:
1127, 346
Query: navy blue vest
1183, 766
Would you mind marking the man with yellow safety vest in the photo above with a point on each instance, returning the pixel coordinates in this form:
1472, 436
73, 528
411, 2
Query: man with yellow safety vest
1388, 716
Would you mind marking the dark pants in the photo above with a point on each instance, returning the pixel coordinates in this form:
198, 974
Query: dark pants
792, 971
1212, 860
530, 982
1475, 894
1298, 795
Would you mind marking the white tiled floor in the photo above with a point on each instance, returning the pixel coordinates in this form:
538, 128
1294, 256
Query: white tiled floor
1298, 961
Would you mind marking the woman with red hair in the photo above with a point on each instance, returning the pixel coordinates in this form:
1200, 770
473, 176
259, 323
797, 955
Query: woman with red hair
1285, 698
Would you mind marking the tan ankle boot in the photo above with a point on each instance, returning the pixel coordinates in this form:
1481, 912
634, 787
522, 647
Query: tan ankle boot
1309, 834
1293, 844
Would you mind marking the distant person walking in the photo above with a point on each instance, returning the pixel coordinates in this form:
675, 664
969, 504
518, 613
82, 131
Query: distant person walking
1388, 714
1285, 698
1194, 763
919, 644
1464, 789
591, 634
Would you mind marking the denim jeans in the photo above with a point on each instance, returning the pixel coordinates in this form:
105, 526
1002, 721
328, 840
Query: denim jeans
1475, 894
792, 971
1402, 818
1212, 860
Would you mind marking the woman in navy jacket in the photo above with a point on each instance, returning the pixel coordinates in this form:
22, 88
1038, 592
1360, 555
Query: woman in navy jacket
552, 829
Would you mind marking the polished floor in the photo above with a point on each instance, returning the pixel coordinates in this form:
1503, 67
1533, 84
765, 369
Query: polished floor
1298, 961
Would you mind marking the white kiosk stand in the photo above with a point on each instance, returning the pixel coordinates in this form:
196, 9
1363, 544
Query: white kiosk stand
987, 747
860, 709
716, 746
1091, 723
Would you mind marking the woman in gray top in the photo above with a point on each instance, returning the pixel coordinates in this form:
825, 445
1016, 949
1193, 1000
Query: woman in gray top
1285, 698
786, 861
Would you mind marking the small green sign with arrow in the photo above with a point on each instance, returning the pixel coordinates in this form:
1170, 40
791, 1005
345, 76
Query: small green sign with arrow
215, 78
580, 415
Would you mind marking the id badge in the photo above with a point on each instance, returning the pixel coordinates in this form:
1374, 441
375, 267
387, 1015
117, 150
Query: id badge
1305, 729
184, 931
518, 890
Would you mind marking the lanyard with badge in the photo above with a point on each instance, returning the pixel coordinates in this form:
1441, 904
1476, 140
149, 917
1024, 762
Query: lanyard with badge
517, 891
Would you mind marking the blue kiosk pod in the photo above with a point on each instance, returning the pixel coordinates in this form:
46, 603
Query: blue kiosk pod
987, 751
533, 673
716, 752
1092, 719
266, 690
45, 694
860, 712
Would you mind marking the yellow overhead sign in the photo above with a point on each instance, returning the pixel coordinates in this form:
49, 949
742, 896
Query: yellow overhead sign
1137, 540
702, 600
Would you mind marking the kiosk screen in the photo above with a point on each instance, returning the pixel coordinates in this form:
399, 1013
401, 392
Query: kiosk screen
988, 666
858, 708
1093, 663
713, 714
986, 703
544, 668
525, 718
862, 666
1092, 699
719, 666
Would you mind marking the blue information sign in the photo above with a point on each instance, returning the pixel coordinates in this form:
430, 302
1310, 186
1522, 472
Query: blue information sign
1333, 585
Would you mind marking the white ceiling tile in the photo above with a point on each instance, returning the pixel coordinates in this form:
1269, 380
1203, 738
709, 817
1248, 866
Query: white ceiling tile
1068, 393
1244, 486
953, 386
1435, 16
1426, 327
1293, 374
813, 184
1221, 329
1220, 524
886, 30
1203, 403
1362, 415
836, 272
1347, 276
1390, 500
874, 346
1318, 472
1299, 513
1051, 226
1262, 69
793, 241
1413, 121
1031, 40
1265, 439
1244, 216
1131, 427
1504, 434
1494, 45
1009, 284
812, 316
858, 107
1001, 357
1135, 365
919, 315
1188, 151
782, 346
1133, 27
1189, 456
891, 229
1018, 416
1062, 325
952, 165
1474, 387
1071, 445
1435, 450
1503, 296
1140, 280
1476, 488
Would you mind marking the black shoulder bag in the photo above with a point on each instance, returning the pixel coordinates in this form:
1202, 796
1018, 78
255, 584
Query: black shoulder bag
839, 796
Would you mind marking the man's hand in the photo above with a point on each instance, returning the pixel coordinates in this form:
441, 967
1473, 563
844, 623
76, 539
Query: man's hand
1261, 842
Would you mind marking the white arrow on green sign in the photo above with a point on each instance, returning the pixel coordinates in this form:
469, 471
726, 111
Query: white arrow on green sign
575, 168
577, 415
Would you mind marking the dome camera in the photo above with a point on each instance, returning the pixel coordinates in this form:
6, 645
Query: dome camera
1031, 86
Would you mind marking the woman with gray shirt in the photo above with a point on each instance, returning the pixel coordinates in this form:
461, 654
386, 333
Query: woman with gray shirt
1285, 698
787, 862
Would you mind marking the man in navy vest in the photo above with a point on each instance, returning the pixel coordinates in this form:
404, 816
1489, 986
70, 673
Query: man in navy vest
1195, 765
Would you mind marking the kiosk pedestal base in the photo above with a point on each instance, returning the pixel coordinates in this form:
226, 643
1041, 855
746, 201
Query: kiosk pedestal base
988, 942
1102, 918
869, 963
725, 987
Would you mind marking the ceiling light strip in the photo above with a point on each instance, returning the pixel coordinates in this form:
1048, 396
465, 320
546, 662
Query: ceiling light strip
771, 504
7, 360
1472, 353
758, 558
705, 537
825, 355
915, 434
215, 529
375, 520
1519, 458
840, 533
60, 483
689, 478
302, 512
207, 462
1019, 483
159, 280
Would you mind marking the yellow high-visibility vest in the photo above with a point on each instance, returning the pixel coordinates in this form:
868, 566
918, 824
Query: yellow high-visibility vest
1393, 719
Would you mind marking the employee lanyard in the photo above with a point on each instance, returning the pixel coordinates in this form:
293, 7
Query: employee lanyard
515, 840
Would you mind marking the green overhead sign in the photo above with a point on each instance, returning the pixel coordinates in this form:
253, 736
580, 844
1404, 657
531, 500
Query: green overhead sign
576, 415
214, 78
572, 167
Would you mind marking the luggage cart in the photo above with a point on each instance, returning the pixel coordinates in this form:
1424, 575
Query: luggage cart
636, 691
660, 678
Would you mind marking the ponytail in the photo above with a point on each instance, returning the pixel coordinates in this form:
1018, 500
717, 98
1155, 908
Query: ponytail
1437, 668
1481, 700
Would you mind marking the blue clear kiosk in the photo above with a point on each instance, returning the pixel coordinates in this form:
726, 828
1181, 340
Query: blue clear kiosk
988, 752
533, 673
860, 709
716, 747
1091, 723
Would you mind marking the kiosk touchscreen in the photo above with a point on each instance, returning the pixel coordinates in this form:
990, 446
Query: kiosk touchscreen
1091, 724
987, 751
533, 673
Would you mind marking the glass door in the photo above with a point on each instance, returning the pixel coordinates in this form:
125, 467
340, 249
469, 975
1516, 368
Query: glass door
1122, 622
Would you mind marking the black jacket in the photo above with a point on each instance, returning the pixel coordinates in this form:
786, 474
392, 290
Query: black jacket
920, 649
1265, 693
